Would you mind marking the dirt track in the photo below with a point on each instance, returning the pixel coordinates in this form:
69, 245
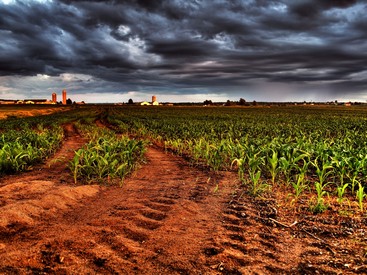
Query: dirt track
167, 218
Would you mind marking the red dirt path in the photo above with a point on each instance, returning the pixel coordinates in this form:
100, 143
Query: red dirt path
167, 218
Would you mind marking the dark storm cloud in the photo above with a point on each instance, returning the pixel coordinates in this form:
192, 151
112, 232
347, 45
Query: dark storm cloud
189, 44
311, 9
183, 49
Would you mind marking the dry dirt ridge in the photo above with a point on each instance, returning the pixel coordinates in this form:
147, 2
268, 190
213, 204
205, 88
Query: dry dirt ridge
167, 218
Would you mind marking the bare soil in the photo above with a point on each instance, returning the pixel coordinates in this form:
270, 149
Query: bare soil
167, 218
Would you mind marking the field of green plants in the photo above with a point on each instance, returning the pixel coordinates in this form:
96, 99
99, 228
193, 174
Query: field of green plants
318, 151
25, 142
315, 152
107, 156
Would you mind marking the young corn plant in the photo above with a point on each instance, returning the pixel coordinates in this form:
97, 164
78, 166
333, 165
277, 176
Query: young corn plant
319, 206
360, 195
241, 167
273, 164
341, 191
299, 185
341, 165
297, 164
285, 167
255, 162
323, 171
257, 186
353, 176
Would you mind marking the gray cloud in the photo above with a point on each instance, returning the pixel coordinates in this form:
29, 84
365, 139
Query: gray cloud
199, 46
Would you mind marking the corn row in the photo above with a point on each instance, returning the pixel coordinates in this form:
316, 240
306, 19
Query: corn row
106, 157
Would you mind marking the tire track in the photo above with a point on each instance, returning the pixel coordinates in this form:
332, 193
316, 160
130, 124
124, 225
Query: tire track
248, 244
159, 221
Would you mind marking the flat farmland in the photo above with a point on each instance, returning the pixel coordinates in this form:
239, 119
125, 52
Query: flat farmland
28, 110
184, 190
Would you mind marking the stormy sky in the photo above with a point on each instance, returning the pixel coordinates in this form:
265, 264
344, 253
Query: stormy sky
184, 50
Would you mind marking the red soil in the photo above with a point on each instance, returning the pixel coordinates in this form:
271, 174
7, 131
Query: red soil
167, 218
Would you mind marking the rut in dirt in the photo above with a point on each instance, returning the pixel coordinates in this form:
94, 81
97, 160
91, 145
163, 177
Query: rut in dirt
164, 219
72, 142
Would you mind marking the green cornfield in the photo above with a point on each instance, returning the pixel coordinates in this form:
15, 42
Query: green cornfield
318, 149
317, 152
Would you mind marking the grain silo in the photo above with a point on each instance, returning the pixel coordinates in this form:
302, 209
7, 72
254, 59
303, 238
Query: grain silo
54, 97
64, 97
154, 99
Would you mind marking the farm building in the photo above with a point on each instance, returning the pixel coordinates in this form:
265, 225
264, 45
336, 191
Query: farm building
36, 101
154, 101
54, 97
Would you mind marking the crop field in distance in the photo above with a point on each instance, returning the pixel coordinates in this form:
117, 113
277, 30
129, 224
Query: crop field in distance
183, 190
8, 111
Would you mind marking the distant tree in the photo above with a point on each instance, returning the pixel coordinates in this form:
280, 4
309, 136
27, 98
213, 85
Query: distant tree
254, 103
228, 103
242, 101
130, 101
208, 102
69, 101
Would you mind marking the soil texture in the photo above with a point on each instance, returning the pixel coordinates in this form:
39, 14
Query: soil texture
167, 218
